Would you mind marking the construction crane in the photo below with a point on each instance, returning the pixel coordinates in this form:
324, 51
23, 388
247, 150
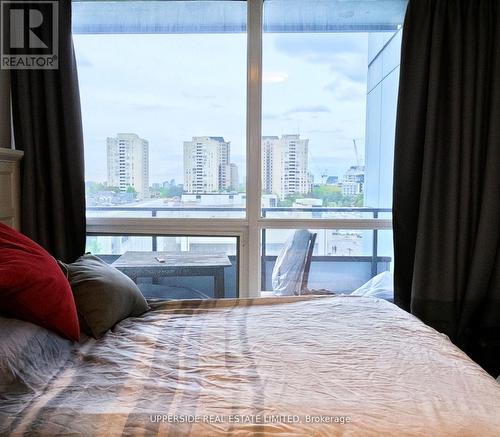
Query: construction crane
358, 161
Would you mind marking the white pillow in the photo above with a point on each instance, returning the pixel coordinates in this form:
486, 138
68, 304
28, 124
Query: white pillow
380, 286
29, 355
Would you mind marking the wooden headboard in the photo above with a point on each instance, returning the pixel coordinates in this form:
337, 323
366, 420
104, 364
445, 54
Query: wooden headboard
10, 193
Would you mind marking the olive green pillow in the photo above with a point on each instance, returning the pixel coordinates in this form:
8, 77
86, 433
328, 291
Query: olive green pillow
103, 295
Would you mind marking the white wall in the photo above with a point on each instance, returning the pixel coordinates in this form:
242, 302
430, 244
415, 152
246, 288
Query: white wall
5, 129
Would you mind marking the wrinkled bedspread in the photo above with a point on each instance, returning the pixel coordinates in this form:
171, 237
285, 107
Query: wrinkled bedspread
291, 367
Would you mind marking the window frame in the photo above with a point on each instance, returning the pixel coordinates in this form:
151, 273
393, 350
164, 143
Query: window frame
248, 230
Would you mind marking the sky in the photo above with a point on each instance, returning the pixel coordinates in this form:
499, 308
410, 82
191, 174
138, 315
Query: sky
168, 88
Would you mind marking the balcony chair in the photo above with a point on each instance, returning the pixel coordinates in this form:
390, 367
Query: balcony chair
291, 270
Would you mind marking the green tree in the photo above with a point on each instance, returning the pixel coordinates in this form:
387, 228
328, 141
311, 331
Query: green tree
170, 191
163, 192
175, 191
360, 201
288, 201
96, 187
330, 194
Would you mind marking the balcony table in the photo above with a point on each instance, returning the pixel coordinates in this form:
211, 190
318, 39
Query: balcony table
137, 264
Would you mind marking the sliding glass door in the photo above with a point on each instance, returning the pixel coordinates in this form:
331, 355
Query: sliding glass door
219, 127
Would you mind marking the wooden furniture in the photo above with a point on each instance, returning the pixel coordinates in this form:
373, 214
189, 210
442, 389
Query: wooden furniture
10, 187
136, 264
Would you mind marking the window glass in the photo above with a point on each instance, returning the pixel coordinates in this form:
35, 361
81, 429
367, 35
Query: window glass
173, 267
329, 108
342, 259
163, 91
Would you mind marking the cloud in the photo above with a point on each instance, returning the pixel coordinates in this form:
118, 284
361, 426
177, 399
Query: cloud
325, 44
274, 77
277, 117
337, 132
136, 101
316, 109
198, 96
150, 107
343, 52
344, 89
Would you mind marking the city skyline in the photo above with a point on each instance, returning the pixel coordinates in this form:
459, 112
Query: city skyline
234, 167
208, 168
313, 85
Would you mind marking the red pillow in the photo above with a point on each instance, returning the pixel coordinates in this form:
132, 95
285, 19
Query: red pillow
33, 287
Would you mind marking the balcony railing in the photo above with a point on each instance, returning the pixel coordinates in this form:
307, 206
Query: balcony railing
317, 210
373, 260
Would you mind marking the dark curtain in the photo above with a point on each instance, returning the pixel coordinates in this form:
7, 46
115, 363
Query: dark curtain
446, 207
48, 127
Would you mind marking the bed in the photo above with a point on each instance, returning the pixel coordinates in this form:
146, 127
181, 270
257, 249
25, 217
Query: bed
302, 366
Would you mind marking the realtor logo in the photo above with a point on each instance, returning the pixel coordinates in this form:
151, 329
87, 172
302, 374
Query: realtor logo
29, 35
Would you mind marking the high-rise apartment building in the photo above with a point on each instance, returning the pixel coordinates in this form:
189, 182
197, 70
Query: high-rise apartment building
235, 180
128, 163
353, 181
207, 165
285, 165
